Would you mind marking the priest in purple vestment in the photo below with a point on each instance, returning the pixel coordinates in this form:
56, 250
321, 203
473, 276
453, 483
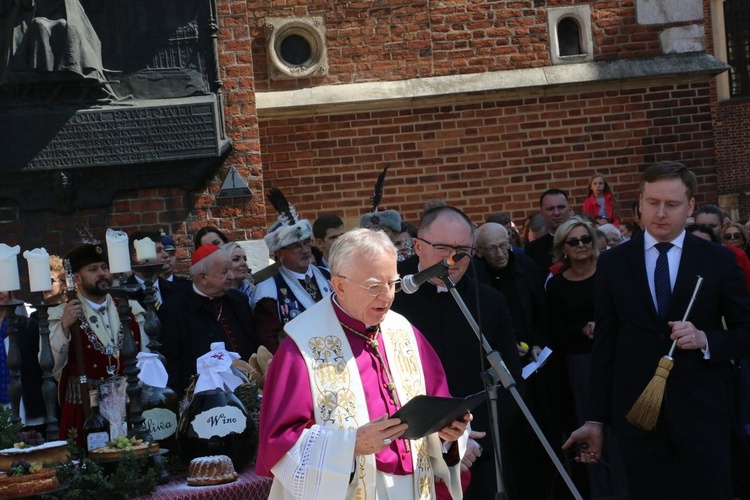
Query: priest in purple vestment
347, 364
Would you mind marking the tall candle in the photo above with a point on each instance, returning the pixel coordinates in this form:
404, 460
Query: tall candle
117, 251
39, 270
9, 279
145, 249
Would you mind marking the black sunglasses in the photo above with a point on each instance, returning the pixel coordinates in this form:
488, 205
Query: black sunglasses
732, 236
574, 242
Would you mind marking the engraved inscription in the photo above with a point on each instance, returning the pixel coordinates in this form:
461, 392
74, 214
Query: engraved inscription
126, 136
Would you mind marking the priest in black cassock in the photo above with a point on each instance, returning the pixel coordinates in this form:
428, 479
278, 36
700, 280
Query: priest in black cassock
211, 311
445, 231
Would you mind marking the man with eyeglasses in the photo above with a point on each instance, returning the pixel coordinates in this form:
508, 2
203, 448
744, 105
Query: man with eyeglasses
445, 231
296, 286
347, 364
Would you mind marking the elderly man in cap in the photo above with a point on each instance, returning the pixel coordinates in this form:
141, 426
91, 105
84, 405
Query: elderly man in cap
91, 319
212, 310
347, 364
296, 286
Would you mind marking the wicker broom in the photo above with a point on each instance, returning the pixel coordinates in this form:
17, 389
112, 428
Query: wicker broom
645, 411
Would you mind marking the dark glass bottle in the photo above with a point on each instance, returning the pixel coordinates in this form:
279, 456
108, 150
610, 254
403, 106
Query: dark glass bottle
216, 423
96, 427
161, 412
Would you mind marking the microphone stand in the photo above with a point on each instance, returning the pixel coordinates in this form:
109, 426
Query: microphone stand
496, 374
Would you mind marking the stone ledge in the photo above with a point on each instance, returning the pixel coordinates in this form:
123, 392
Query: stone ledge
341, 98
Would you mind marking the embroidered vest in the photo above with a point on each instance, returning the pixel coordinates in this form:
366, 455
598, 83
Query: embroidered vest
337, 391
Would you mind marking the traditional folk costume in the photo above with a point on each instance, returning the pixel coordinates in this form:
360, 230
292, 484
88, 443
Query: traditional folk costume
102, 337
309, 446
282, 297
288, 293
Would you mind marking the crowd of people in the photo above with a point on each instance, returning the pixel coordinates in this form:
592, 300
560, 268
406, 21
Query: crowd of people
604, 293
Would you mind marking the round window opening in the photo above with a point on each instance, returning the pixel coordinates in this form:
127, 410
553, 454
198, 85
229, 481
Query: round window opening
295, 50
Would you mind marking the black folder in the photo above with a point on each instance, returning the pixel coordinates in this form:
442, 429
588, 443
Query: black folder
428, 414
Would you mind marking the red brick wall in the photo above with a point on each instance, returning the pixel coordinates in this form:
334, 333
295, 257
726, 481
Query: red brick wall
496, 155
172, 209
395, 40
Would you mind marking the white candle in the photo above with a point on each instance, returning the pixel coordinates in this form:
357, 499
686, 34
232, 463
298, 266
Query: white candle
117, 250
39, 270
9, 279
145, 249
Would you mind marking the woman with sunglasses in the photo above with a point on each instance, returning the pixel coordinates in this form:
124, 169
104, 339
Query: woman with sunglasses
735, 235
570, 305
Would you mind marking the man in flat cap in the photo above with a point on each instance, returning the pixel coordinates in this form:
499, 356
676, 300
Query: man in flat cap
295, 287
211, 310
91, 319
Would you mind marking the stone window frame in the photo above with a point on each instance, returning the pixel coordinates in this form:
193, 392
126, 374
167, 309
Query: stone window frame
313, 30
718, 21
581, 14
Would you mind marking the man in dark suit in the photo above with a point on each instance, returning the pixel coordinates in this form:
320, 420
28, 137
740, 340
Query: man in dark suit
212, 310
164, 288
554, 209
443, 232
643, 289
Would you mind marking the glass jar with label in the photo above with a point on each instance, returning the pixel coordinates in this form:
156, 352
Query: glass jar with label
216, 423
161, 413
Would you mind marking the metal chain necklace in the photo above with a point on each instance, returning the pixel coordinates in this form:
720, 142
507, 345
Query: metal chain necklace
375, 345
109, 350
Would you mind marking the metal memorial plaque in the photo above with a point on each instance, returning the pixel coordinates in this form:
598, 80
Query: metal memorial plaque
119, 93
116, 136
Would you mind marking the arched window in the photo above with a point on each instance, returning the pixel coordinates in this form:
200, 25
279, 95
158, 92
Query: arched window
570, 34
569, 37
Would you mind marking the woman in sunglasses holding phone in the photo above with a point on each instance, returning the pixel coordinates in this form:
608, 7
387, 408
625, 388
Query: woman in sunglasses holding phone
570, 305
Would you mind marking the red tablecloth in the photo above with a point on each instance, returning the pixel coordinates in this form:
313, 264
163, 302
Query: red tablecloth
248, 486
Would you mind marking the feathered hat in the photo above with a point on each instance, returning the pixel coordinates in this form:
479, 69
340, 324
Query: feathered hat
385, 218
288, 228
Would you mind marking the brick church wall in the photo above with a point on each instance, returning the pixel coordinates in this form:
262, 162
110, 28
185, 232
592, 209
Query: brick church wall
496, 152
490, 156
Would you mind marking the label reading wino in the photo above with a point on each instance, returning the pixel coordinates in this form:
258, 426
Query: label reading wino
160, 422
219, 421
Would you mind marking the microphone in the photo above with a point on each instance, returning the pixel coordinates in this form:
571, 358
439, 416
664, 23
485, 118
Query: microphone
412, 282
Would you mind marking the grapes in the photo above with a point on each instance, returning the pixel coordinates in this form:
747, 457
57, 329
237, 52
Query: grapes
22, 468
29, 438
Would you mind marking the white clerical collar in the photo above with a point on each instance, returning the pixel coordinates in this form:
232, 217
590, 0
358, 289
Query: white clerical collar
649, 241
299, 276
440, 288
195, 289
344, 311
